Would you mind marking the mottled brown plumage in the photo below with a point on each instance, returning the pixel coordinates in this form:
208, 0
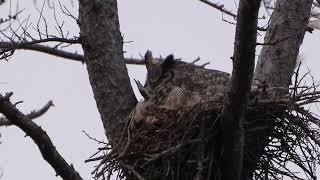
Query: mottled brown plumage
176, 85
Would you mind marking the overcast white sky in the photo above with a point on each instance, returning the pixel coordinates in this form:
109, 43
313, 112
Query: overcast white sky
186, 28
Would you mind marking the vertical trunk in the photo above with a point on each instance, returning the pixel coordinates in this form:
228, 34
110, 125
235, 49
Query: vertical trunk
287, 28
276, 62
237, 98
103, 51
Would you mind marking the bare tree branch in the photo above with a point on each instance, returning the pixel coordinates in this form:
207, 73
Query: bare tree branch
40, 137
12, 46
221, 8
7, 47
19, 37
10, 17
236, 101
33, 115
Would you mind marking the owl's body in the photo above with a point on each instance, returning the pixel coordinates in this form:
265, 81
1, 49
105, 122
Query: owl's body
176, 86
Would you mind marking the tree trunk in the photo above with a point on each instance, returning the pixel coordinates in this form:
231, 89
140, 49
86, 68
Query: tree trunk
277, 59
286, 31
102, 44
237, 98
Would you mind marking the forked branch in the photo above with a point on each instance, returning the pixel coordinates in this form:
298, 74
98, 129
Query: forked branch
33, 115
39, 136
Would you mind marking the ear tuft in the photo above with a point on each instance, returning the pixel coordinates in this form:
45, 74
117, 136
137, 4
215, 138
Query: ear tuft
148, 56
168, 60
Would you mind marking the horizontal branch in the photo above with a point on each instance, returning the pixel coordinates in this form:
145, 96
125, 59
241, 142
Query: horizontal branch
11, 46
53, 39
33, 115
221, 8
40, 137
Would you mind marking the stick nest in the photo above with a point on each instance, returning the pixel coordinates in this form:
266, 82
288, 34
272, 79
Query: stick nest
281, 140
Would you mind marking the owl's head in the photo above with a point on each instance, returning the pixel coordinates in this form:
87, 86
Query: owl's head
158, 69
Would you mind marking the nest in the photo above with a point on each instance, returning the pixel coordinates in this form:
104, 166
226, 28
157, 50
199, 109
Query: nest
281, 140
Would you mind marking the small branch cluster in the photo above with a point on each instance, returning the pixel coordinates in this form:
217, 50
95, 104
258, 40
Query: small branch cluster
10, 17
268, 6
294, 140
222, 8
21, 34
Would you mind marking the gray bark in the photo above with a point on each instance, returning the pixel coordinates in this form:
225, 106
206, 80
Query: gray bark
288, 25
103, 51
277, 60
237, 98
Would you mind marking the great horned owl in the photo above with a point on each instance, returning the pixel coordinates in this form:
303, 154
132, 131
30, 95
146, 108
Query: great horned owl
175, 85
